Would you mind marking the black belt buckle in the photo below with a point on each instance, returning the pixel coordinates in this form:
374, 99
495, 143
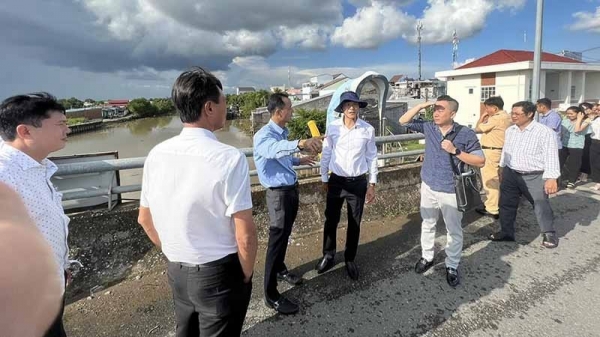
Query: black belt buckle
491, 148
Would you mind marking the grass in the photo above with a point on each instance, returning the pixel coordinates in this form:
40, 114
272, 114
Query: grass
412, 145
75, 120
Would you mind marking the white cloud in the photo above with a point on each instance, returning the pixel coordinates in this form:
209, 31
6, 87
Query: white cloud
313, 37
372, 26
256, 71
384, 21
362, 3
588, 21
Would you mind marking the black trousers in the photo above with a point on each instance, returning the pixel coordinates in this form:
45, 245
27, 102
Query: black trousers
210, 299
353, 190
531, 186
570, 163
283, 207
595, 160
57, 329
585, 158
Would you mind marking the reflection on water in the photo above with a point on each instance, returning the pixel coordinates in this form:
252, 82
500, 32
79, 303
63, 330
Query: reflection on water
136, 138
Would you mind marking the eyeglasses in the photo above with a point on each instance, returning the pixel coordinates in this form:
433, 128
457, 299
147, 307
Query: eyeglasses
517, 114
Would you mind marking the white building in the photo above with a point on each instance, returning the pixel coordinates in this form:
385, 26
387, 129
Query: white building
508, 73
243, 90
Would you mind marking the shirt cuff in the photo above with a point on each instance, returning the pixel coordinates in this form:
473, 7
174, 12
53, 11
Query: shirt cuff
325, 177
295, 161
372, 179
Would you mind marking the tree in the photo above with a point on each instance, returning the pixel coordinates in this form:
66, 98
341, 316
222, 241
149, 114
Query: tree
164, 106
298, 125
142, 107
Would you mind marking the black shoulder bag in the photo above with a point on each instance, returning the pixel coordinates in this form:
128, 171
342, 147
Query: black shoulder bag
466, 186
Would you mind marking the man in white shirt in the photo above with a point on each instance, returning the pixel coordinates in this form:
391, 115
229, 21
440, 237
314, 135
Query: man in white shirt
529, 167
196, 206
33, 126
349, 152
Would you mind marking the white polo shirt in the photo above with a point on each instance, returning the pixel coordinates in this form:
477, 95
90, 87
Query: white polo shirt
192, 184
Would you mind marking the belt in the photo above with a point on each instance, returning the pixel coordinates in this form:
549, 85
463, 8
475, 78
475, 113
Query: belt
357, 178
223, 260
285, 187
490, 148
530, 173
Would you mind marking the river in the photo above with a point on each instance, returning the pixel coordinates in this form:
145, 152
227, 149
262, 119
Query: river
136, 138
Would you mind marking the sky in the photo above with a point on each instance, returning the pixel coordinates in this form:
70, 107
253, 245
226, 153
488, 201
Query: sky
123, 49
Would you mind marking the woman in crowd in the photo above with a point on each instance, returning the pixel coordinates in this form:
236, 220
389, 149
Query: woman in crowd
573, 138
589, 110
595, 148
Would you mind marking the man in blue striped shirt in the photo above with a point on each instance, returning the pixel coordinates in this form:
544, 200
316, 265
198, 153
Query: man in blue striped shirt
274, 164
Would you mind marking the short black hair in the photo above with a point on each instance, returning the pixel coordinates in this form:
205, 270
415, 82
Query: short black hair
276, 102
527, 106
29, 109
545, 102
496, 101
575, 108
586, 105
453, 103
192, 89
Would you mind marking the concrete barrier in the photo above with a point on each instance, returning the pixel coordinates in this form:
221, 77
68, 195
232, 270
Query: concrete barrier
111, 243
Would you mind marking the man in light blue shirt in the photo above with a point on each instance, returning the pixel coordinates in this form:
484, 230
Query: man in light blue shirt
274, 164
550, 118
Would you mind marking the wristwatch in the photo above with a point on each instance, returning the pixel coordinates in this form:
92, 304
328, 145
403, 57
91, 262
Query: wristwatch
371, 184
457, 152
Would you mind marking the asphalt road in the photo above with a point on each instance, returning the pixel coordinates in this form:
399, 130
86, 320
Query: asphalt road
507, 289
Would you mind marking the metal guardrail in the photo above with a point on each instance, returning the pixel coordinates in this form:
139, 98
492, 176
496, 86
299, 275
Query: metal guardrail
138, 162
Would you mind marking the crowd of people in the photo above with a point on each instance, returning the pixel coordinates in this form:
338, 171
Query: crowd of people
196, 204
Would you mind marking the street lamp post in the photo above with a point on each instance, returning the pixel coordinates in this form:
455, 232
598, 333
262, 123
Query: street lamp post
537, 53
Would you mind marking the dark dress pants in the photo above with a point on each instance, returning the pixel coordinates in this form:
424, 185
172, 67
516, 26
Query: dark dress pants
210, 299
531, 186
282, 204
353, 191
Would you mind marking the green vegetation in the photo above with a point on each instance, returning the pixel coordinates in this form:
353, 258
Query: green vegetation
75, 120
298, 125
149, 108
412, 145
247, 102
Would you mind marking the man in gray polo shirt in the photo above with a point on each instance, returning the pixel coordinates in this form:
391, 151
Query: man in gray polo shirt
437, 186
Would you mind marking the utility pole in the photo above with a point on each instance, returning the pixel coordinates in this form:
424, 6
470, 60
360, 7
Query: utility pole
454, 49
537, 53
419, 29
289, 77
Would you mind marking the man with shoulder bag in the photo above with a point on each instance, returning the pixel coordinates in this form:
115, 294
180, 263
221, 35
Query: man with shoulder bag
443, 137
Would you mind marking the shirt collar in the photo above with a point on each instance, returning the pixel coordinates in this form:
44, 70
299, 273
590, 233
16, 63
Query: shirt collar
198, 133
277, 128
530, 126
26, 162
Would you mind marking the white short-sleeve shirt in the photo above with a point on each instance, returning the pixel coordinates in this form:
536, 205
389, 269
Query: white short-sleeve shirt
31, 180
193, 184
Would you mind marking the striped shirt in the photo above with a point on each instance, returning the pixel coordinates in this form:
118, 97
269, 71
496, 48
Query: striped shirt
531, 149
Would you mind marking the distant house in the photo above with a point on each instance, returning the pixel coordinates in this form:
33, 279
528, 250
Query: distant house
508, 73
396, 79
117, 103
243, 90
331, 86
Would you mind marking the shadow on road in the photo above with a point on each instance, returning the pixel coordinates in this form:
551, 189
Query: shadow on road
389, 293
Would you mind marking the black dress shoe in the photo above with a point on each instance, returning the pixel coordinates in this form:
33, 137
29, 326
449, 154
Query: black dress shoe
282, 306
422, 266
325, 264
484, 211
500, 236
352, 270
452, 277
289, 278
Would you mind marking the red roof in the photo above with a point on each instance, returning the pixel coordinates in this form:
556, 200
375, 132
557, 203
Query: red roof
504, 56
